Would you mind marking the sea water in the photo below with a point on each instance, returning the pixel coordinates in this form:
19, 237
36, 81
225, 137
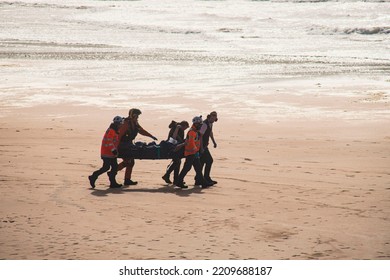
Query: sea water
232, 54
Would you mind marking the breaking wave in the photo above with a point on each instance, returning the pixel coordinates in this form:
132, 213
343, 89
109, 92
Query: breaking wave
364, 31
375, 30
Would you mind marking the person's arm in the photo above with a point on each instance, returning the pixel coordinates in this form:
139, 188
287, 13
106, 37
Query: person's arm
112, 139
201, 149
179, 146
212, 138
202, 131
122, 129
145, 133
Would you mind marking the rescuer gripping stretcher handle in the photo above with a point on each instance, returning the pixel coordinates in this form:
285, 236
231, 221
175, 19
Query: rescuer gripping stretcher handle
175, 137
191, 152
127, 133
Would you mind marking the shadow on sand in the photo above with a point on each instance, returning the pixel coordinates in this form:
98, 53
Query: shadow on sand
168, 189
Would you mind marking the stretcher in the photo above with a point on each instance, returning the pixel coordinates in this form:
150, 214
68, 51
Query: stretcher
140, 150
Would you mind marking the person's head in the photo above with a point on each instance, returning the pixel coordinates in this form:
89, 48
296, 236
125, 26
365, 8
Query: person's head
184, 125
173, 124
117, 120
197, 122
134, 113
212, 117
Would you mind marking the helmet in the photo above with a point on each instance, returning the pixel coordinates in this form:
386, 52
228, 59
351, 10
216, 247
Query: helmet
118, 119
197, 120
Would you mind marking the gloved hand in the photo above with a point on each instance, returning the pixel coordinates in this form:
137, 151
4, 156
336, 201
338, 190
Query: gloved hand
197, 155
154, 138
115, 152
215, 145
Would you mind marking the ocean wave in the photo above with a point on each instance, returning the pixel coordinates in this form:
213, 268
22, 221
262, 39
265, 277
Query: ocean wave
229, 30
42, 5
364, 30
286, 65
375, 30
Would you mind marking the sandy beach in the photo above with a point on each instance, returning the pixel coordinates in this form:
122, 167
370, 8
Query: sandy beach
288, 190
302, 163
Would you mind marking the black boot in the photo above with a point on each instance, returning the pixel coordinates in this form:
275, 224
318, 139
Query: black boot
211, 180
92, 180
113, 183
206, 185
129, 182
182, 185
166, 179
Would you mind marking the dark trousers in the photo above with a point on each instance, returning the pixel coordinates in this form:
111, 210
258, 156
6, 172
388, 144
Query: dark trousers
175, 164
175, 167
191, 160
206, 161
107, 164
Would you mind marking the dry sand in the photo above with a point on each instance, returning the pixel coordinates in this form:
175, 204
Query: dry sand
289, 189
303, 135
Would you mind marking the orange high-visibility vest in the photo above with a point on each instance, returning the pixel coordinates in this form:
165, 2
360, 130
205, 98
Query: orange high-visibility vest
192, 144
109, 143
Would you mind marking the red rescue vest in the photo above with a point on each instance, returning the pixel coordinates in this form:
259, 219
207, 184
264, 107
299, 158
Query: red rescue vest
192, 144
109, 143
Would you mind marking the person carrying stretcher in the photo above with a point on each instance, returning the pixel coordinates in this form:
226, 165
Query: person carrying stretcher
175, 136
127, 133
109, 154
191, 153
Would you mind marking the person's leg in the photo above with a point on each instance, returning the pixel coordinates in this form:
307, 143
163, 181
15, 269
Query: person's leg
208, 161
103, 169
122, 164
202, 160
128, 172
177, 169
198, 169
112, 174
177, 158
198, 179
170, 168
187, 167
97, 173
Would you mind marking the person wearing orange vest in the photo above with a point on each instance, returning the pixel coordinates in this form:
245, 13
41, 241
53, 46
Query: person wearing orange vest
109, 154
127, 133
191, 153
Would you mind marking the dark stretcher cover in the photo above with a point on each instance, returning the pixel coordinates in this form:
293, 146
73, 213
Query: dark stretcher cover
140, 150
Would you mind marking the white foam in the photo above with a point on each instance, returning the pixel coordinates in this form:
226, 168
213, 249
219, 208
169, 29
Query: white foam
229, 54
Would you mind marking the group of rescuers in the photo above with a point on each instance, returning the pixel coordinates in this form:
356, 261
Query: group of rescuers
193, 147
